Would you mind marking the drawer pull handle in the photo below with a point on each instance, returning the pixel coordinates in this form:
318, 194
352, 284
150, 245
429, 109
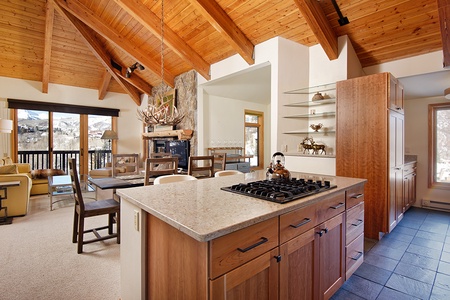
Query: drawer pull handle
337, 206
358, 222
305, 221
357, 256
262, 241
357, 196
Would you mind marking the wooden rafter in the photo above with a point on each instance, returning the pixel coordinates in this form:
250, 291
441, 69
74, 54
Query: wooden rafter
153, 24
317, 21
94, 22
219, 19
49, 18
98, 50
103, 88
444, 21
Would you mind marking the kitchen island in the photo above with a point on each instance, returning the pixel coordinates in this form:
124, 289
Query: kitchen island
192, 240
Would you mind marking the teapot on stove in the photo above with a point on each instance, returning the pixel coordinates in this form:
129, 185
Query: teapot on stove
276, 167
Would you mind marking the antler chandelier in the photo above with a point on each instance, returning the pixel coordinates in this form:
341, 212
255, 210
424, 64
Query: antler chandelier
162, 114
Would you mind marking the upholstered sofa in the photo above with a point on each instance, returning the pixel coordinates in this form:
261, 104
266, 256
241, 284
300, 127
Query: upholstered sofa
39, 177
18, 198
40, 180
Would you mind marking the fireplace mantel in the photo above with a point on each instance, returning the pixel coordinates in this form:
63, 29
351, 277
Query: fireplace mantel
181, 134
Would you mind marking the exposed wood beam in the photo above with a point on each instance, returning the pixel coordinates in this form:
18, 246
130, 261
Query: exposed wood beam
153, 24
317, 21
135, 80
219, 19
103, 88
94, 22
99, 51
444, 21
49, 18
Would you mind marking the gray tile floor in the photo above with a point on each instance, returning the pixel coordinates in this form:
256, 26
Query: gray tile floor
412, 262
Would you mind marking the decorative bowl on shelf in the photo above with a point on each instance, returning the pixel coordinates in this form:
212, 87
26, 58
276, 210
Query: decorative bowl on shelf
316, 127
317, 96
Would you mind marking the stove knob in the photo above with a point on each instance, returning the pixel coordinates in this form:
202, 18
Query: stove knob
310, 181
327, 183
319, 183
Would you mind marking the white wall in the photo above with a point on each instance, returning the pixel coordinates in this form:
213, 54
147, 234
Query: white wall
416, 143
129, 127
225, 117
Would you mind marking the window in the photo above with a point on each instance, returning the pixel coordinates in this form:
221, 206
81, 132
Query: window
254, 138
439, 145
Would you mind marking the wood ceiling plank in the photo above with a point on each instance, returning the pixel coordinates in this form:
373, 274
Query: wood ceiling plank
444, 22
316, 19
113, 36
99, 52
49, 17
153, 24
228, 29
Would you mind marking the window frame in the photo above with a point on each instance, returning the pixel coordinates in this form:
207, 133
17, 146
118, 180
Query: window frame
432, 118
260, 126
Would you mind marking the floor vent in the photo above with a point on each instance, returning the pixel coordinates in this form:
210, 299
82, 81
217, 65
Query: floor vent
431, 204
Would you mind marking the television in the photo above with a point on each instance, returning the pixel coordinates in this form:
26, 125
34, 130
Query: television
178, 148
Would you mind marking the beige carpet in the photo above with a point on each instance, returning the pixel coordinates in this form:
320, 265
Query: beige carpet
39, 261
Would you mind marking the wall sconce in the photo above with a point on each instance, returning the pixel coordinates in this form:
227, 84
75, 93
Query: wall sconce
133, 67
6, 126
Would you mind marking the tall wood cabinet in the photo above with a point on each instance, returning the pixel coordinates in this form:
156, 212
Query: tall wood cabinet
370, 144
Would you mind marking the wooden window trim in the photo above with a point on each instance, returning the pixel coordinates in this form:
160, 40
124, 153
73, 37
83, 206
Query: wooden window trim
432, 109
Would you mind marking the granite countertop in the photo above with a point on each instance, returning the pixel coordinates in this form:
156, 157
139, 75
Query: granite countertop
203, 211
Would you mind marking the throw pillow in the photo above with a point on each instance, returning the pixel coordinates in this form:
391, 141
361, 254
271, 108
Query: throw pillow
7, 161
9, 169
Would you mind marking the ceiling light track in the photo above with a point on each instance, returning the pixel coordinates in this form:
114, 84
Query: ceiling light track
342, 20
133, 67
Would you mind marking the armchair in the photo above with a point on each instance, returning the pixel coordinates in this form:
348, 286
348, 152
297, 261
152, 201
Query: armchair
18, 196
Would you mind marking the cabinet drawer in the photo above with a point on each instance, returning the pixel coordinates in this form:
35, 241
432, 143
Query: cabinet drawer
234, 249
297, 222
354, 255
355, 222
328, 208
355, 195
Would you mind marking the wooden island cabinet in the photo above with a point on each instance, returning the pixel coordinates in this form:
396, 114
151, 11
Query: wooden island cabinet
297, 250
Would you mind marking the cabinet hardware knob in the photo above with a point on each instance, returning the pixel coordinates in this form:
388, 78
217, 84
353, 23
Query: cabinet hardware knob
337, 206
262, 241
303, 222
278, 258
322, 231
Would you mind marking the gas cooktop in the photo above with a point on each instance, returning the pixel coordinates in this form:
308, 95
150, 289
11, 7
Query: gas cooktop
280, 190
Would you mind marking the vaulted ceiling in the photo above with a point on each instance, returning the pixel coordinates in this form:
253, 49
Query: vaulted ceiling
90, 43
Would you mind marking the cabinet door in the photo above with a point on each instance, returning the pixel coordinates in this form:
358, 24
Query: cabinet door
396, 159
257, 279
331, 256
395, 101
299, 273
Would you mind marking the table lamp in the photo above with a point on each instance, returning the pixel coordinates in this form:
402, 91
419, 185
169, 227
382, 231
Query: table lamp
6, 126
109, 135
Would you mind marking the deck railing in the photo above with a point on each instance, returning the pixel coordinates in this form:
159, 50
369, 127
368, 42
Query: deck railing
39, 159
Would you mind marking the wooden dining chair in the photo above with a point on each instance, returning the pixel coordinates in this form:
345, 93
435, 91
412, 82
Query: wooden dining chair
201, 166
160, 154
159, 166
85, 210
220, 160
